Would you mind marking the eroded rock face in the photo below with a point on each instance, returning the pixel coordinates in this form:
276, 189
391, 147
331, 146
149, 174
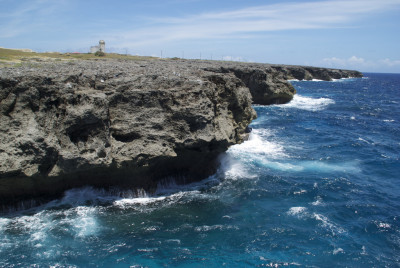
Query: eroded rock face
115, 123
125, 123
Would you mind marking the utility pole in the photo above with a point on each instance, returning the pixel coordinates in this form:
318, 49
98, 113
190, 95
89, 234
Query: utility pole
161, 53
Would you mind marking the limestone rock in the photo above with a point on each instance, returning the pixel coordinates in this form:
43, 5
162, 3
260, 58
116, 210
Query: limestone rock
115, 123
127, 123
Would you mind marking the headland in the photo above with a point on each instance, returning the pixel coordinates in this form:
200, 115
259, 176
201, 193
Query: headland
129, 122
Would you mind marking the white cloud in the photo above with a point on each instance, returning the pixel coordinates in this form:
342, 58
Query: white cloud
390, 63
350, 62
231, 58
355, 60
258, 19
334, 61
360, 63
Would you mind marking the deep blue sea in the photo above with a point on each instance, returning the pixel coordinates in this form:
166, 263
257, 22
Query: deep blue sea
316, 185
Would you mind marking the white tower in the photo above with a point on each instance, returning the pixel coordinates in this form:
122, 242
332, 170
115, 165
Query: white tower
102, 46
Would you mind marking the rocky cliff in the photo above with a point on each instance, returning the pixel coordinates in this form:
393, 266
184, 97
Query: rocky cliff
126, 123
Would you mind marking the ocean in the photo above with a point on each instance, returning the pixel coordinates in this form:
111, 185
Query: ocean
316, 185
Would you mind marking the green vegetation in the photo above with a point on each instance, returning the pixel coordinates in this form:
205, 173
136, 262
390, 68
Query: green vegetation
15, 58
99, 54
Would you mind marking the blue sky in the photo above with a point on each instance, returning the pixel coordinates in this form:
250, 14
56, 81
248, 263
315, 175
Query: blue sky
354, 34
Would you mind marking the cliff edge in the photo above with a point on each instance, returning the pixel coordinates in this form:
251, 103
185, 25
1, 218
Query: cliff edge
128, 123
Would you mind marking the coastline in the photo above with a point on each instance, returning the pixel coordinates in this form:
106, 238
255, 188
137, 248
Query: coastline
124, 123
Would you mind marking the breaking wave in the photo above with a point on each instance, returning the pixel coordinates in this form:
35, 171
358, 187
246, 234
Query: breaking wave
307, 103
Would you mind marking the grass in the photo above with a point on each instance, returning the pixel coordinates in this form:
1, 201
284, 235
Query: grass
15, 58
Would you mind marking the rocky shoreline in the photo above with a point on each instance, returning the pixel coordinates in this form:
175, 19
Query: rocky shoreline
129, 124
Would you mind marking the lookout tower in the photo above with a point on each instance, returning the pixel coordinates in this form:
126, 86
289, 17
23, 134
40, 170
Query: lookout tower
101, 47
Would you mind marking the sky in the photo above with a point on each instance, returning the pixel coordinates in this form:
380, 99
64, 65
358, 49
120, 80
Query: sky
352, 34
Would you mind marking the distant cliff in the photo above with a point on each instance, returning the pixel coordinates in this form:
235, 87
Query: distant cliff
129, 123
269, 84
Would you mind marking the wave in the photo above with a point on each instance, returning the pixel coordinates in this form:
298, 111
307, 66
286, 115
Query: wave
260, 142
307, 103
320, 80
311, 166
345, 79
323, 221
79, 213
327, 224
43, 228
297, 211
264, 149
240, 159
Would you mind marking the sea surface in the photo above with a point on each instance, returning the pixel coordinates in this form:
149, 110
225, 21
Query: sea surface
316, 185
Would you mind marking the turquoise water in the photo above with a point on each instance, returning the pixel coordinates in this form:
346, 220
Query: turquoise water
317, 184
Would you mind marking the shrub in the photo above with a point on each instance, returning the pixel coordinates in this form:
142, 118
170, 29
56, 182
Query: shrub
99, 54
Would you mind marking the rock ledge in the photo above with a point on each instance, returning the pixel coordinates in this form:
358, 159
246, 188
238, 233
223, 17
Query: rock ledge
126, 123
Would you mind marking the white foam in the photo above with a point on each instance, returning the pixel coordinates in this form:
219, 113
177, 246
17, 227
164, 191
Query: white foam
85, 222
81, 221
320, 166
173, 241
147, 250
237, 162
337, 251
364, 140
137, 201
307, 103
235, 170
327, 224
36, 227
80, 196
207, 228
300, 192
307, 166
5, 242
364, 251
281, 166
297, 211
3, 223
318, 202
151, 203
384, 225
259, 144
320, 80
344, 79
